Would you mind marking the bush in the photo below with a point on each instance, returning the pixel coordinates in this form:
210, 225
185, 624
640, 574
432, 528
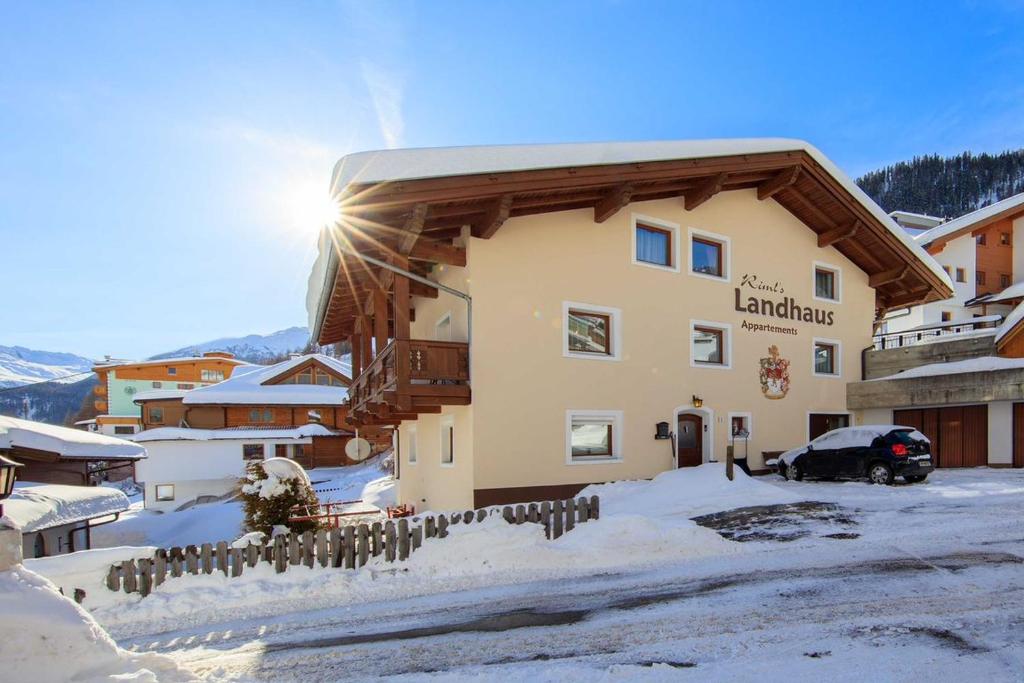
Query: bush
268, 497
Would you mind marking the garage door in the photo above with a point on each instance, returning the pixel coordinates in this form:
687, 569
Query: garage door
959, 434
1018, 434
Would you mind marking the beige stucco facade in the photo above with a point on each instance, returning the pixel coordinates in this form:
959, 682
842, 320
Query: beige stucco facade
523, 384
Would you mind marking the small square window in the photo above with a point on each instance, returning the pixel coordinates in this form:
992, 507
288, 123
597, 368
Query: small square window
1004, 280
123, 429
826, 357
707, 257
264, 415
961, 275
172, 371
946, 316
949, 271
1004, 239
164, 492
156, 415
654, 245
186, 387
593, 436
979, 277
739, 426
709, 345
590, 331
157, 385
252, 451
981, 240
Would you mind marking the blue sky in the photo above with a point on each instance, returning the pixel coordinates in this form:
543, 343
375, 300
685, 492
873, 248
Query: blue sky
158, 160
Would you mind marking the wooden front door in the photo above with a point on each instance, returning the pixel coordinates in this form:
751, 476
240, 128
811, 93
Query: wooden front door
690, 440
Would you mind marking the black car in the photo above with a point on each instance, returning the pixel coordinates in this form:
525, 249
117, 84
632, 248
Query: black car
879, 453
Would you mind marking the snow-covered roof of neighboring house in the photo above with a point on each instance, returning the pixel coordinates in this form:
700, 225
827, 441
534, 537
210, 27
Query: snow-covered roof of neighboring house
170, 361
969, 221
252, 388
1012, 322
42, 506
235, 433
159, 395
1014, 291
916, 220
983, 364
65, 441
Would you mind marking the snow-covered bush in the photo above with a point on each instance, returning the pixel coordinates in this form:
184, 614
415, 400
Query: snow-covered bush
387, 463
270, 489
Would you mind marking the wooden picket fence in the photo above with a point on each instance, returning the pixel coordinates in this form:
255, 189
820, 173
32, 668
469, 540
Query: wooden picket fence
348, 547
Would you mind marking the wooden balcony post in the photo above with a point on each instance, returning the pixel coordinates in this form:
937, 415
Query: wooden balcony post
401, 298
366, 339
356, 344
380, 319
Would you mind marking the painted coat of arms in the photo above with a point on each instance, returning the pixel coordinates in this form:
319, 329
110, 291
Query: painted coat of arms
774, 374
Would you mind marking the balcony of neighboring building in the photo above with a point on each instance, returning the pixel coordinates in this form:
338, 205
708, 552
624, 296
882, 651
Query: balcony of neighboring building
100, 390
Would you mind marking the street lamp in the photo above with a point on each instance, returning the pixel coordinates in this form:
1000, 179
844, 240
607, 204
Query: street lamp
7, 477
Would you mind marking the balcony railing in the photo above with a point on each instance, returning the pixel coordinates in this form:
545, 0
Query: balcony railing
409, 377
927, 334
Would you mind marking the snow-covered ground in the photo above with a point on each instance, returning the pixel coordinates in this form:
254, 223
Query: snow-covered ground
891, 583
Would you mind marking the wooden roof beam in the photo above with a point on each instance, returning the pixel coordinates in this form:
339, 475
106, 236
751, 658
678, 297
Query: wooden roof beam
495, 217
412, 228
438, 252
915, 296
780, 182
887, 276
616, 199
843, 232
704, 191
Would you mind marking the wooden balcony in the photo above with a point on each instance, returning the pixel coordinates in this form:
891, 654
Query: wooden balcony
410, 377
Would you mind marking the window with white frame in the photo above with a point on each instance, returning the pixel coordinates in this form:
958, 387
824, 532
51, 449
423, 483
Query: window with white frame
709, 255
252, 451
740, 426
655, 243
826, 358
211, 375
591, 331
411, 447
448, 441
828, 285
593, 436
164, 492
710, 344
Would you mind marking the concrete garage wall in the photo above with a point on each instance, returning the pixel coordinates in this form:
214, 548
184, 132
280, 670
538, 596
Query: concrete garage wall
943, 390
891, 361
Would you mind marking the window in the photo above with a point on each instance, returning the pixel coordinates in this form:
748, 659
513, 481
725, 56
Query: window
946, 316
211, 375
258, 415
172, 371
655, 243
123, 429
412, 445
979, 277
252, 451
590, 331
948, 270
156, 414
981, 240
593, 436
961, 275
447, 441
157, 385
826, 357
1004, 239
821, 423
187, 387
304, 377
1004, 280
710, 344
709, 255
827, 282
740, 425
165, 492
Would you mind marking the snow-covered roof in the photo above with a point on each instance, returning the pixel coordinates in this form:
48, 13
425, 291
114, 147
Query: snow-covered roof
64, 441
250, 388
234, 433
915, 220
968, 220
1012, 321
170, 361
983, 364
159, 395
436, 162
41, 506
1014, 291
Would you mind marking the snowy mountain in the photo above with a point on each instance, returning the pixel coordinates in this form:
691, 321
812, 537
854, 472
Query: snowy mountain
255, 348
19, 366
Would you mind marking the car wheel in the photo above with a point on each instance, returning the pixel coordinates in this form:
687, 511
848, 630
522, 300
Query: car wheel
794, 472
914, 478
880, 473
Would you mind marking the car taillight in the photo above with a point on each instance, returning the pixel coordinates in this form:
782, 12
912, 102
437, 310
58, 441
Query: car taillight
899, 450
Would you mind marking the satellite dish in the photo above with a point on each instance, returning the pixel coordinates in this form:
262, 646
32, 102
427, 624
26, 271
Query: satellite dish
358, 449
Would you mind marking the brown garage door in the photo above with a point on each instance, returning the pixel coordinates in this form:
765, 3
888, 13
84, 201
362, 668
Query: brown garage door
959, 434
1018, 434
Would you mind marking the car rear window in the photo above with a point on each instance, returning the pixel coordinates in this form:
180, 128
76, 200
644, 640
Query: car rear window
902, 436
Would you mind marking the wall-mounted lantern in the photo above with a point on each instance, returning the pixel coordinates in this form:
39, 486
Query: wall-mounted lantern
697, 401
661, 431
7, 477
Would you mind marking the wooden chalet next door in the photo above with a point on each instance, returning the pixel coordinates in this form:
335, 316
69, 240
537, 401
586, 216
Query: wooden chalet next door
690, 440
959, 434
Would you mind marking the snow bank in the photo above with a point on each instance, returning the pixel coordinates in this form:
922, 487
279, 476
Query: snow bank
64, 441
86, 569
197, 525
44, 637
41, 506
687, 492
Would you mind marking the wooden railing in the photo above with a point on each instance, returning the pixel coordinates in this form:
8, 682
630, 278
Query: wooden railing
413, 371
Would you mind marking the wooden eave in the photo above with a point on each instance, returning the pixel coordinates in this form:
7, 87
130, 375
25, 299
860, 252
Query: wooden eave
308, 363
441, 207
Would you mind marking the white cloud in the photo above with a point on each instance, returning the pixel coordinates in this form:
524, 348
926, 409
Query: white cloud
386, 89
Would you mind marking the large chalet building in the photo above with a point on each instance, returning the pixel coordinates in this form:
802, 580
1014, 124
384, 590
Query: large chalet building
532, 319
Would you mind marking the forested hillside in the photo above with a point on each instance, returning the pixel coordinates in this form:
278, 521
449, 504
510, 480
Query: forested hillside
946, 187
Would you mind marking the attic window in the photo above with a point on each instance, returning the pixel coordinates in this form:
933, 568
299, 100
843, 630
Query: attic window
1004, 239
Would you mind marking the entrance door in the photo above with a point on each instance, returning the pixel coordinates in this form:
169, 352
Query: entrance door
822, 423
690, 440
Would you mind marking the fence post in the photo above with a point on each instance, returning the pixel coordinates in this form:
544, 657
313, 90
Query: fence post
206, 557
252, 554
294, 550
417, 537
145, 578
595, 507
307, 548
442, 526
280, 554
176, 561
570, 515
192, 559
468, 516
335, 544
236, 562
350, 547
545, 517
129, 576
222, 557
532, 514
378, 544
160, 566
481, 515
114, 578
362, 544
557, 519
428, 527
390, 539
520, 514
583, 508
403, 539
507, 514
321, 547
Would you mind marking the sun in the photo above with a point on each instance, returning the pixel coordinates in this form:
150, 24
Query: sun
308, 207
